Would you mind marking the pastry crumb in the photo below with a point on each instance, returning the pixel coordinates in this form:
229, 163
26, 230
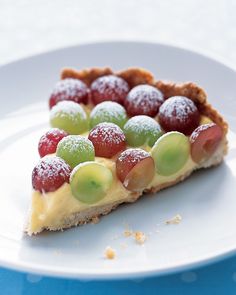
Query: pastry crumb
140, 237
95, 220
110, 253
174, 220
128, 233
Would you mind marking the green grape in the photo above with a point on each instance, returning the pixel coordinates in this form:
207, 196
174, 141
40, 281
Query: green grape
108, 111
90, 181
69, 116
141, 130
75, 149
170, 153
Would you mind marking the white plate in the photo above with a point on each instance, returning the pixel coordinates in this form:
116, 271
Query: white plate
206, 201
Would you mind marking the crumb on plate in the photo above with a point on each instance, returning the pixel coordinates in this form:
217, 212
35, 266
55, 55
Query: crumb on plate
110, 253
140, 237
95, 220
128, 233
174, 220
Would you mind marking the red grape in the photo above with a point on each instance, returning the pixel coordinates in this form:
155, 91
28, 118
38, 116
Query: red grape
50, 174
143, 100
179, 113
69, 89
109, 87
204, 141
135, 169
108, 139
49, 141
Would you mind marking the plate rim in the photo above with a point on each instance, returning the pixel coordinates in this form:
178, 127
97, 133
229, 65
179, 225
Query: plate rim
203, 53
87, 274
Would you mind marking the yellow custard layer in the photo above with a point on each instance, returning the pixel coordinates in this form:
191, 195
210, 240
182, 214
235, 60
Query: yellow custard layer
49, 209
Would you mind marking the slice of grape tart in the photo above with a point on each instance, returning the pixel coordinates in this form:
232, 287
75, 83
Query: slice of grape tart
114, 137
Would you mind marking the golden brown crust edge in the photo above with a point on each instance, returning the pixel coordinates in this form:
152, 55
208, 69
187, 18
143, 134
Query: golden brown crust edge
136, 76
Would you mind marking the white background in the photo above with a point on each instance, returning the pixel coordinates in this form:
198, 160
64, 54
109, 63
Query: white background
32, 26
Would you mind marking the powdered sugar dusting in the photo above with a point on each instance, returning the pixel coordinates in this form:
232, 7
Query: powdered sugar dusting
140, 130
75, 144
50, 173
50, 166
200, 129
133, 155
108, 132
109, 87
142, 123
108, 139
68, 109
55, 133
108, 111
144, 100
178, 106
69, 89
49, 141
179, 113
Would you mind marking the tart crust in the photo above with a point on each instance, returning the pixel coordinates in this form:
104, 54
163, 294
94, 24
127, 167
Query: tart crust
136, 76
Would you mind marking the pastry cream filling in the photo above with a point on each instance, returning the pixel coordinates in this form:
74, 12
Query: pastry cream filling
48, 210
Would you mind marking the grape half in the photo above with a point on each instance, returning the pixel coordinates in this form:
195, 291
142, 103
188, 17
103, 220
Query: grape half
49, 141
170, 153
109, 88
135, 169
143, 100
90, 181
50, 174
69, 89
108, 111
141, 130
70, 117
204, 140
108, 139
179, 113
75, 149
